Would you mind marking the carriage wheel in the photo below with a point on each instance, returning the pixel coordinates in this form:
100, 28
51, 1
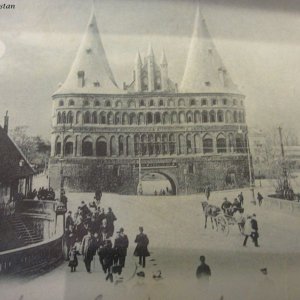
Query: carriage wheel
223, 224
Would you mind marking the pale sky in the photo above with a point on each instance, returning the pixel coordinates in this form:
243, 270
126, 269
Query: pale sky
258, 40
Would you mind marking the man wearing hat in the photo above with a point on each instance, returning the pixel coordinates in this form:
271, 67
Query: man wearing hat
141, 249
69, 220
254, 233
120, 247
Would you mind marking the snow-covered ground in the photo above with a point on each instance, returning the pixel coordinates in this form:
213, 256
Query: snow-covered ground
175, 227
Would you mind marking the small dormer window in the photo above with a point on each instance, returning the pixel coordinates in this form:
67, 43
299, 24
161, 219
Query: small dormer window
97, 84
88, 51
61, 103
207, 83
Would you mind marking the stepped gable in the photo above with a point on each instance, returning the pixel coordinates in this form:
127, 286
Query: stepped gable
90, 72
204, 70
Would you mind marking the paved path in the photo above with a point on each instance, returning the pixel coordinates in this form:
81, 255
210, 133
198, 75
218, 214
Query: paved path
177, 239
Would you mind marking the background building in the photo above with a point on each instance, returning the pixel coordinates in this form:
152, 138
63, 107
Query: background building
194, 134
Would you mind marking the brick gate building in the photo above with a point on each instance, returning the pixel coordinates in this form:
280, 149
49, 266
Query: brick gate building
194, 134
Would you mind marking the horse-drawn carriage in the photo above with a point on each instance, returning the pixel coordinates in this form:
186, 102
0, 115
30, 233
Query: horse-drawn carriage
221, 220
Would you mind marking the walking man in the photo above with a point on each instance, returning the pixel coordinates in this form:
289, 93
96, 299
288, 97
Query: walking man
259, 198
241, 199
120, 247
247, 230
141, 249
207, 192
254, 232
87, 250
251, 229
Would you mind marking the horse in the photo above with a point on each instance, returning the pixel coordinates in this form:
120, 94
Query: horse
210, 211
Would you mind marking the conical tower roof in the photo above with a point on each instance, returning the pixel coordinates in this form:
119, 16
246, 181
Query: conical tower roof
204, 70
91, 61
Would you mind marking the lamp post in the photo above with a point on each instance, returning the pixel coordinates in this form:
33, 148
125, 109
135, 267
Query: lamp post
62, 206
250, 171
251, 184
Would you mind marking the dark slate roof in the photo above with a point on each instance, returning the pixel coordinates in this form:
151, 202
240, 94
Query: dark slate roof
10, 156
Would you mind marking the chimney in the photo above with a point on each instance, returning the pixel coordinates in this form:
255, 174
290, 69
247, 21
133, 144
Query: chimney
6, 122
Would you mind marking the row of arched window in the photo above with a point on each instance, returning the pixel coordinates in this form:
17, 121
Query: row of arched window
141, 118
153, 144
157, 102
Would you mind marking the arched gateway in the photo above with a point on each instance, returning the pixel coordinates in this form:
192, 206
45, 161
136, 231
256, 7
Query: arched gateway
157, 183
191, 133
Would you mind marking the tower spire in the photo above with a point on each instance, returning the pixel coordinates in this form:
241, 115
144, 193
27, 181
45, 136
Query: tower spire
90, 71
138, 60
150, 50
163, 60
204, 70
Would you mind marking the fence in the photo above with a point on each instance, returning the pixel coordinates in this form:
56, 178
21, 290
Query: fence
282, 205
41, 254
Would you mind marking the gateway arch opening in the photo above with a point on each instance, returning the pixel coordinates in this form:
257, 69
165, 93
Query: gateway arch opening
156, 184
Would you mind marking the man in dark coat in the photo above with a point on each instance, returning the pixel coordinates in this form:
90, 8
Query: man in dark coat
254, 232
70, 238
259, 198
141, 249
85, 210
226, 206
88, 250
203, 271
121, 245
111, 218
241, 198
98, 195
69, 220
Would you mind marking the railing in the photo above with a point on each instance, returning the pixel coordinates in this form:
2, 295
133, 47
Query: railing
283, 205
44, 253
36, 206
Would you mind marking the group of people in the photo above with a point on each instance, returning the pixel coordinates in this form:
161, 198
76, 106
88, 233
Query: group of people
90, 232
162, 192
247, 223
41, 194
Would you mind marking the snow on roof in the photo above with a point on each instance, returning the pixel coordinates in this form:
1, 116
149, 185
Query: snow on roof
90, 72
204, 71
